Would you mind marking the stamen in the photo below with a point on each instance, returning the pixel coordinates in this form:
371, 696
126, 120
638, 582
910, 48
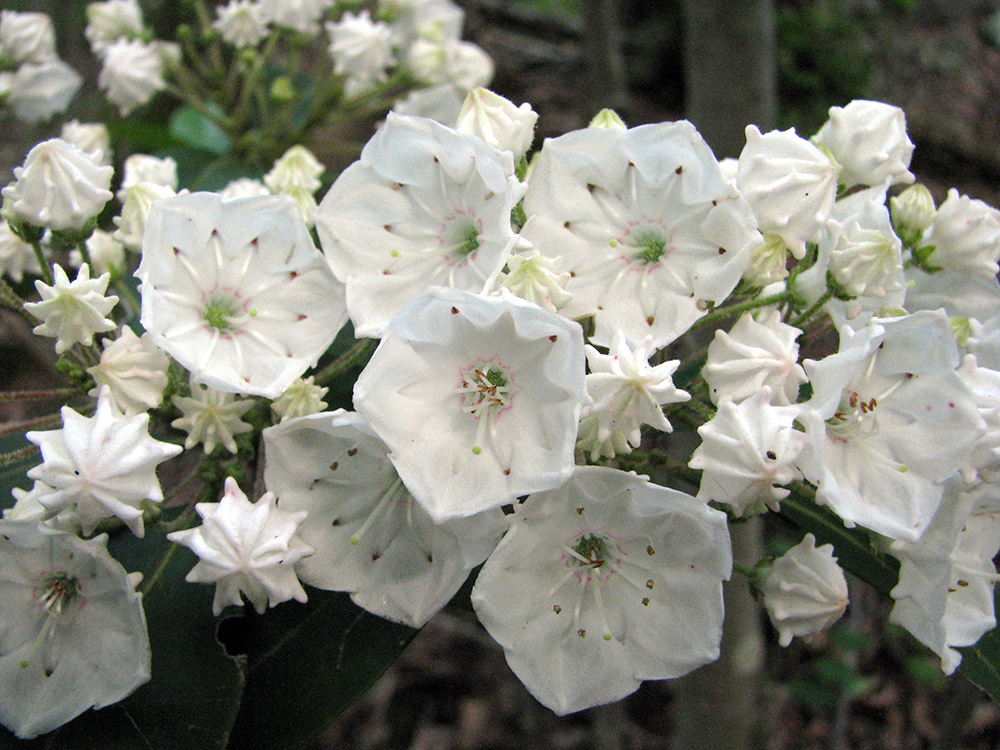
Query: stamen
599, 601
379, 507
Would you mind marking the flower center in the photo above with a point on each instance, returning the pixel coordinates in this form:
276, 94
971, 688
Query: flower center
468, 243
652, 246
58, 591
486, 391
225, 313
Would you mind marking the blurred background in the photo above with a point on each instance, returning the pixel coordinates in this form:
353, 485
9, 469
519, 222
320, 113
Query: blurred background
722, 64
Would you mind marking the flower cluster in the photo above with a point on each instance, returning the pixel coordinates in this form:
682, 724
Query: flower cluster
475, 361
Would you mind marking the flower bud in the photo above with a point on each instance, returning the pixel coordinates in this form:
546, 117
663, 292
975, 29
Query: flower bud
868, 139
498, 122
90, 137
607, 118
132, 73
912, 212
26, 37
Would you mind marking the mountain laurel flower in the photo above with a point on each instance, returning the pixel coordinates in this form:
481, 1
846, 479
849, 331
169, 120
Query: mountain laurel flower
463, 65
74, 633
361, 49
106, 253
913, 211
134, 371
300, 15
145, 168
296, 168
866, 256
241, 23
650, 231
627, 393
600, 584
26, 38
424, 206
131, 73
37, 91
111, 20
498, 122
533, 278
236, 291
804, 590
748, 452
73, 311
58, 187
889, 420
211, 417
371, 536
755, 352
246, 548
17, 257
102, 466
478, 399
301, 398
131, 224
790, 183
869, 141
965, 234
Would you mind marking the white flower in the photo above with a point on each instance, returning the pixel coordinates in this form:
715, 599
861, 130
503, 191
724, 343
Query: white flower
17, 257
102, 466
131, 224
748, 449
945, 592
913, 211
498, 122
869, 141
361, 48
296, 168
132, 73
134, 371
462, 64
371, 537
74, 634
248, 548
889, 420
602, 583
73, 311
790, 184
241, 23
244, 187
211, 417
425, 205
111, 20
90, 137
144, 168
429, 19
627, 393
805, 590
59, 186
26, 37
301, 398
439, 103
866, 255
532, 278
236, 291
650, 231
478, 398
106, 253
27, 508
40, 90
754, 353
965, 234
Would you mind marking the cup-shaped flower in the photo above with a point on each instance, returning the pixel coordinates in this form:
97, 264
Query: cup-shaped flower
58, 187
236, 291
425, 205
869, 141
478, 399
805, 590
134, 370
371, 537
889, 420
73, 311
74, 632
102, 466
602, 583
246, 548
649, 229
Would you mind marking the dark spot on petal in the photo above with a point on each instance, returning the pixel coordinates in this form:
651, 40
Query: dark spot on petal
649, 584
553, 338
375, 556
454, 311
566, 224
335, 522
506, 472
579, 511
352, 451
645, 601
650, 550
591, 187
679, 170
650, 320
962, 583
772, 455
334, 465
582, 633
388, 227
556, 608
722, 251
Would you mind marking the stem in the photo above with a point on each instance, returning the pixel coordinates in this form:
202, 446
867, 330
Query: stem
49, 420
45, 265
21, 454
817, 306
85, 253
732, 310
37, 395
345, 361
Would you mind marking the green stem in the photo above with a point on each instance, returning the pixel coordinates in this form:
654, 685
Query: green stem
11, 298
45, 265
817, 306
85, 253
733, 310
49, 420
345, 361
21, 454
37, 395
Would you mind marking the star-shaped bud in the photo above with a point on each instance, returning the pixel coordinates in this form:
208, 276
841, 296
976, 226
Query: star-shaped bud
73, 311
211, 417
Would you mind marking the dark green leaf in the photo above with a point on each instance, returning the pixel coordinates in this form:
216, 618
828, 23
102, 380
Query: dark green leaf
981, 663
306, 664
198, 131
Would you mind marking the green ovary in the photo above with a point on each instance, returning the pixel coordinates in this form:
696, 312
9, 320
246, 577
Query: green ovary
653, 247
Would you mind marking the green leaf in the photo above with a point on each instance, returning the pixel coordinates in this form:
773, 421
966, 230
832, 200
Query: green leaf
199, 131
193, 697
306, 664
981, 663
